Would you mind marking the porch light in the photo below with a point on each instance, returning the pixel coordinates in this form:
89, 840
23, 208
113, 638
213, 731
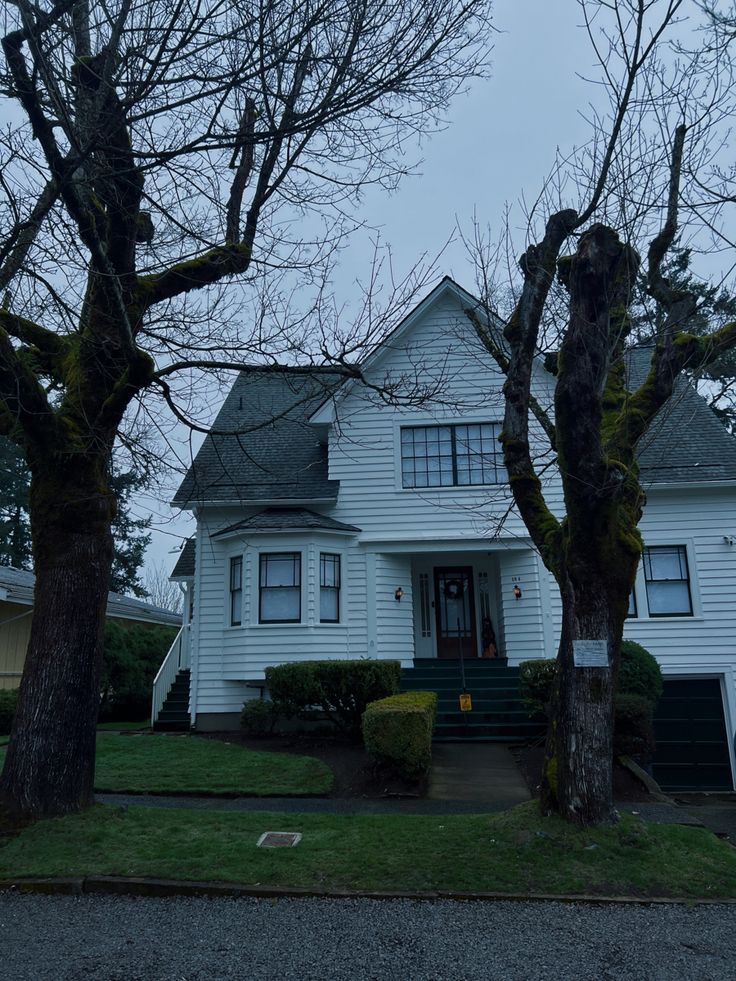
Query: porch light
398, 594
517, 591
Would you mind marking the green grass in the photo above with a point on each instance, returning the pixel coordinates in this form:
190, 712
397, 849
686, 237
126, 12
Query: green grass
191, 765
516, 851
188, 764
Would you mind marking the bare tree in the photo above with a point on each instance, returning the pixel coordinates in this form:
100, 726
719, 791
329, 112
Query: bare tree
161, 590
156, 151
650, 162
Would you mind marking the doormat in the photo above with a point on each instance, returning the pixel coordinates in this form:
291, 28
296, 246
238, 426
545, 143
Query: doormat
279, 839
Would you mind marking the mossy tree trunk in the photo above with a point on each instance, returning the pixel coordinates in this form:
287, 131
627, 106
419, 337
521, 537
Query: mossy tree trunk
49, 769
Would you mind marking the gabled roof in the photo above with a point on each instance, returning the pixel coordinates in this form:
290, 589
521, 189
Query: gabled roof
286, 519
268, 452
271, 450
685, 443
184, 568
17, 586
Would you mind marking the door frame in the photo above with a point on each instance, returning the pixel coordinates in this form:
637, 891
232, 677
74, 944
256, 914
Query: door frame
472, 649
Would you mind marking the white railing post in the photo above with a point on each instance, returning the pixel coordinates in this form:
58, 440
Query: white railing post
177, 658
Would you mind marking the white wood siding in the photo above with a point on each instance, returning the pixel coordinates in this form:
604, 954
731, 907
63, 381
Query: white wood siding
364, 449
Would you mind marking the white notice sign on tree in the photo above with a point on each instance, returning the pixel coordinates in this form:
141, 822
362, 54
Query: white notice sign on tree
590, 653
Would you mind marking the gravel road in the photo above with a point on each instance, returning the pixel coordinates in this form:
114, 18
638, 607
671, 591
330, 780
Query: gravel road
100, 938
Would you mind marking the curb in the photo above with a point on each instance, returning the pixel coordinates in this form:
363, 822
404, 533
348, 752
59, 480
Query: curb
165, 888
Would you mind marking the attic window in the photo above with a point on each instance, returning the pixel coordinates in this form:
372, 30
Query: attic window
451, 456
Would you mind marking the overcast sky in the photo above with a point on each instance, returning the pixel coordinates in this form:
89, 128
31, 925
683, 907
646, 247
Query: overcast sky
499, 145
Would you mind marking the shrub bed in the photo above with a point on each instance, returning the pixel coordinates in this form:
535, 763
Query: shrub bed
8, 702
398, 731
638, 689
341, 689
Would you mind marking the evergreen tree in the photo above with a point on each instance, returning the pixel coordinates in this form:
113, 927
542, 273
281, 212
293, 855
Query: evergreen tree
130, 539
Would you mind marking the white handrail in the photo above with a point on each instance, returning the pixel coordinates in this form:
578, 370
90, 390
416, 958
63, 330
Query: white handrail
177, 658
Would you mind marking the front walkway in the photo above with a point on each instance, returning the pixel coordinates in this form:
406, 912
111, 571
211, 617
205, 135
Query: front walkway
485, 773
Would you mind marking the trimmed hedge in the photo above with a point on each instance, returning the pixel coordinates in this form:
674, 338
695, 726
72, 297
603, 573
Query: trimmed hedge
536, 679
398, 731
258, 718
638, 674
8, 702
342, 689
633, 726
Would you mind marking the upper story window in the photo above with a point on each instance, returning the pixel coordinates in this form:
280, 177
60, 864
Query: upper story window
668, 582
280, 587
329, 588
236, 591
451, 456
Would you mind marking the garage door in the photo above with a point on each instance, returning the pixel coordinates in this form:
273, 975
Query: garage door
692, 743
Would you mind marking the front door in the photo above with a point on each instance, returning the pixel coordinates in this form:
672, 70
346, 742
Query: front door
454, 605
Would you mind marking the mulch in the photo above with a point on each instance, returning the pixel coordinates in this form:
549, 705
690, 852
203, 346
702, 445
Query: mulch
530, 760
357, 776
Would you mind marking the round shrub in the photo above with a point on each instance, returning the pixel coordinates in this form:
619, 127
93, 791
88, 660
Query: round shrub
258, 717
633, 728
639, 673
536, 680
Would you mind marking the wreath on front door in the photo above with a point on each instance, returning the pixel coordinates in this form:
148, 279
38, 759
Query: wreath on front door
454, 588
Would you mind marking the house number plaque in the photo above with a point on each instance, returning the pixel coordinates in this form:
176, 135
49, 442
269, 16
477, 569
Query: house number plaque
590, 653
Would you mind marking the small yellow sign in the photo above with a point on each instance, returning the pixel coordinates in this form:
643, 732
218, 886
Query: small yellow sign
466, 703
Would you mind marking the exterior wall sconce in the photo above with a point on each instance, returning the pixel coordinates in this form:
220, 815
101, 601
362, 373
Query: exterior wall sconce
729, 539
398, 594
517, 591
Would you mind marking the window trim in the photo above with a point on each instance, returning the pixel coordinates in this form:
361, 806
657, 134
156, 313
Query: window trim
297, 555
236, 561
337, 556
688, 580
402, 427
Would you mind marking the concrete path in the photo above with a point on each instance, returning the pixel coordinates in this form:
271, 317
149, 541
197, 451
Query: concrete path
485, 773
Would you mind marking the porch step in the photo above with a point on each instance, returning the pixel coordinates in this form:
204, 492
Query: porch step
498, 713
174, 714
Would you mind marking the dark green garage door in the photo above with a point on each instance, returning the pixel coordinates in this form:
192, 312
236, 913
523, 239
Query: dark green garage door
692, 743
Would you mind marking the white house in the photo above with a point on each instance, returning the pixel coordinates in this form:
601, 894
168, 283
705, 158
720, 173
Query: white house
335, 525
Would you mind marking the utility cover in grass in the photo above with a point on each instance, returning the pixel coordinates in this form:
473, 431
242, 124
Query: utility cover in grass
279, 839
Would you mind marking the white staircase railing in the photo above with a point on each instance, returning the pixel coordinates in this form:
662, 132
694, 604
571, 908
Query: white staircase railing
177, 658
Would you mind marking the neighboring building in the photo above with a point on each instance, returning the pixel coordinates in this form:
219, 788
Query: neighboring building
16, 615
336, 525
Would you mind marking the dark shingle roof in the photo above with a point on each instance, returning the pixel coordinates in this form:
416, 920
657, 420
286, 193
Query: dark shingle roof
19, 586
685, 441
274, 453
284, 519
184, 568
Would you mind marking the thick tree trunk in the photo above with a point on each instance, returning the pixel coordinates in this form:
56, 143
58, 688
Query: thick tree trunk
578, 773
49, 768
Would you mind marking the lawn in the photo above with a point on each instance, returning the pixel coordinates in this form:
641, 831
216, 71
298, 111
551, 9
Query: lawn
191, 765
515, 851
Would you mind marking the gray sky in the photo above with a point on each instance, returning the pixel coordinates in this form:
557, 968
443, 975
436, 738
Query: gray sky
499, 145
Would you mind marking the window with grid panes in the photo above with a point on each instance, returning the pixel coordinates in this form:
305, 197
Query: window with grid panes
329, 588
451, 456
668, 581
280, 589
236, 591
